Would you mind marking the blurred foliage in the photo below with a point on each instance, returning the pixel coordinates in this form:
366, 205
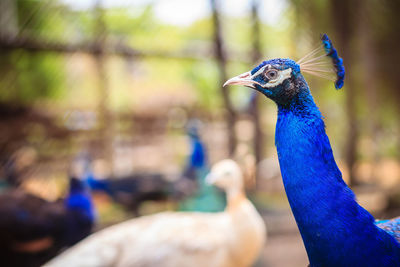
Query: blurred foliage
28, 76
71, 81
380, 19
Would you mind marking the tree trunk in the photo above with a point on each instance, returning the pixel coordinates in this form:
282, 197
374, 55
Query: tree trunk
369, 66
221, 59
342, 15
105, 118
258, 142
8, 18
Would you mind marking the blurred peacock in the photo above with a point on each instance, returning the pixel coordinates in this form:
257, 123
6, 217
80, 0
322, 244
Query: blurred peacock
233, 237
189, 186
132, 190
336, 231
34, 230
207, 198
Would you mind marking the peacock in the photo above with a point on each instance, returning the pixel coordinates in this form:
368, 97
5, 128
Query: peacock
34, 230
188, 187
207, 198
132, 190
336, 231
233, 237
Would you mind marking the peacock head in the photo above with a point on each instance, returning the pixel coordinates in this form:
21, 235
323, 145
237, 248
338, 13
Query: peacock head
226, 175
278, 79
281, 79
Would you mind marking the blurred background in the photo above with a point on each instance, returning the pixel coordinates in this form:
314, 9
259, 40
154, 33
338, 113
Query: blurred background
119, 86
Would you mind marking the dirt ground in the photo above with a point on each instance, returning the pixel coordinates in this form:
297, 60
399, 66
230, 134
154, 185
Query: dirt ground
284, 246
284, 251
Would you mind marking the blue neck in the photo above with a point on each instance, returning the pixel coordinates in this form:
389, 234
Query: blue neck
79, 199
336, 231
198, 157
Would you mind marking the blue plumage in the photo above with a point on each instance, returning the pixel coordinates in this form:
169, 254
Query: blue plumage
33, 230
391, 226
278, 62
336, 60
336, 231
198, 155
79, 199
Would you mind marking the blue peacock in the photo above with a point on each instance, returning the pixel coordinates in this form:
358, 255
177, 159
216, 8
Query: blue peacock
336, 231
207, 198
33, 230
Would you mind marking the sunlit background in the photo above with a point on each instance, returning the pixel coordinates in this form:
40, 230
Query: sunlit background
120, 81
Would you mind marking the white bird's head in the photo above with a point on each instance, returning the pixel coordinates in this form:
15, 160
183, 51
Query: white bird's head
226, 174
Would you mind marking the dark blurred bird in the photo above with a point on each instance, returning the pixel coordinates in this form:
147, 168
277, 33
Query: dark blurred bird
336, 231
132, 190
233, 237
189, 187
34, 230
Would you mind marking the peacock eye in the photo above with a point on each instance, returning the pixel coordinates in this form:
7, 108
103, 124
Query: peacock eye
271, 74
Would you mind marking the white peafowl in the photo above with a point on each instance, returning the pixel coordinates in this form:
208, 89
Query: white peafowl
233, 237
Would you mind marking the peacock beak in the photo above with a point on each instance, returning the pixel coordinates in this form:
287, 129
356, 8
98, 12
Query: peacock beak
242, 79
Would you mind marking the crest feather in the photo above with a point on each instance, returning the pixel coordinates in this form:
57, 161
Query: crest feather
315, 62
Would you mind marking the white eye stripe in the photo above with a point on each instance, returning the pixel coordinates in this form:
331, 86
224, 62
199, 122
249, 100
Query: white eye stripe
283, 75
261, 70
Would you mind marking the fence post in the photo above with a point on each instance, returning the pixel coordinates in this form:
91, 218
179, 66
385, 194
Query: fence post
221, 60
105, 116
258, 142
